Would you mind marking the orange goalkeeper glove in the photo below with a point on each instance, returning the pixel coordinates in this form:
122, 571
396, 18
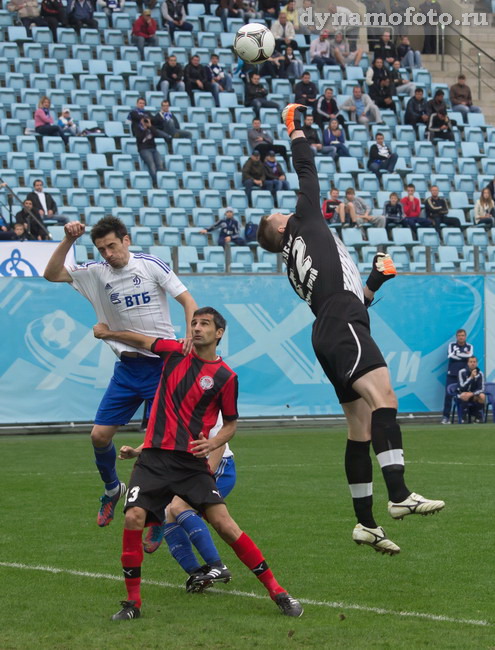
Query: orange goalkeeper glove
383, 269
292, 116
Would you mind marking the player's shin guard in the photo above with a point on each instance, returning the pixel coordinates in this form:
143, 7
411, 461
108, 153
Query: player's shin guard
132, 559
250, 555
386, 438
105, 458
180, 547
359, 472
200, 536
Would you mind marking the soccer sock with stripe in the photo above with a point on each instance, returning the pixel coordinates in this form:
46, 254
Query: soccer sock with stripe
386, 438
132, 559
200, 536
250, 555
359, 472
105, 458
180, 547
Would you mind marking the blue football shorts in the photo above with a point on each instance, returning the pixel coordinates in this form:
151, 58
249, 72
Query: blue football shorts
225, 476
134, 380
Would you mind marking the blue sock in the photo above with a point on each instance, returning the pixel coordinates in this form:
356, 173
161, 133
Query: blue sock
105, 458
200, 536
180, 547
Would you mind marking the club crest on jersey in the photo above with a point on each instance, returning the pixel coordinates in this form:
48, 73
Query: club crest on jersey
114, 299
136, 280
206, 382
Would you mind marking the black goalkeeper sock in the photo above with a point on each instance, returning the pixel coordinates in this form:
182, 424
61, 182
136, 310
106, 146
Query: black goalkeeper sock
386, 438
359, 472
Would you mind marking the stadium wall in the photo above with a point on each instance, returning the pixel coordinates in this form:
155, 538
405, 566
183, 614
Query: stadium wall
53, 370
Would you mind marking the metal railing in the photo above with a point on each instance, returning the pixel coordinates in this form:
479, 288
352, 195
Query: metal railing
456, 42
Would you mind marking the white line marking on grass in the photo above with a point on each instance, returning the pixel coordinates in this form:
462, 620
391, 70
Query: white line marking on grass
246, 594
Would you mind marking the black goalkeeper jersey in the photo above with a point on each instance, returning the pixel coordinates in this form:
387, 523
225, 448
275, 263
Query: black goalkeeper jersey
318, 264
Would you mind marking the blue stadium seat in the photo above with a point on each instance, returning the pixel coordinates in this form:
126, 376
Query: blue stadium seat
78, 198
467, 166
443, 183
237, 199
132, 199
142, 236
403, 237
203, 217
448, 259
477, 237
460, 200
70, 161
184, 199
105, 199
88, 180
453, 237
97, 161
162, 252
193, 181
140, 180
428, 237
218, 181
93, 214
177, 217
215, 255
447, 149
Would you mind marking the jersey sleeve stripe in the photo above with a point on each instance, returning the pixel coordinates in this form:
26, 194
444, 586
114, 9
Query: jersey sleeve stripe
156, 260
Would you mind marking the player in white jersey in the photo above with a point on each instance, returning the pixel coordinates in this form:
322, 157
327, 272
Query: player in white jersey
129, 292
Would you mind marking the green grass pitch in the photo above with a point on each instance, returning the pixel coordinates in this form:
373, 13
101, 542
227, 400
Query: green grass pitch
292, 498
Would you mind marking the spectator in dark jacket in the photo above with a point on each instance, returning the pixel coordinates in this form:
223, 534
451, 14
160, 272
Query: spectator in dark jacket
80, 14
229, 9
137, 114
409, 58
27, 217
196, 77
253, 174
270, 9
145, 135
376, 72
461, 98
393, 211
255, 95
440, 127
381, 159
437, 103
274, 174
44, 205
143, 32
326, 109
416, 109
166, 122
306, 91
262, 140
382, 94
54, 14
334, 140
229, 229
472, 389
385, 50
312, 136
171, 76
437, 211
174, 17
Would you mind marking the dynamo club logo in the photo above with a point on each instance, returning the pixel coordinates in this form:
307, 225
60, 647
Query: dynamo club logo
17, 266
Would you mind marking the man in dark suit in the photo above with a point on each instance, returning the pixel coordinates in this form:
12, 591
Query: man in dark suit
44, 205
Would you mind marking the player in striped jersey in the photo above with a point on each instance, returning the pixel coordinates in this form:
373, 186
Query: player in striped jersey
193, 389
129, 292
323, 274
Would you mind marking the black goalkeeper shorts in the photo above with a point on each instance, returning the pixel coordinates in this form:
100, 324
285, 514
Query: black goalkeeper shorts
343, 344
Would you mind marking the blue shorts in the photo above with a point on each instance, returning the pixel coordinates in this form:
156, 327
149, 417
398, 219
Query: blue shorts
134, 380
225, 476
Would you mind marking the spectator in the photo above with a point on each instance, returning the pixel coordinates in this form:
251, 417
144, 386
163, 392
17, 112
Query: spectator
143, 32
461, 99
399, 7
66, 123
283, 32
362, 109
306, 91
339, 16
382, 94
269, 9
171, 77
440, 127
340, 51
198, 77
433, 10
253, 174
255, 95
166, 122
250, 8
417, 110
261, 140
330, 209
21, 233
28, 12
437, 210
313, 137
326, 109
219, 76
44, 124
472, 389
358, 211
373, 33
393, 212
137, 114
229, 229
484, 209
44, 205
174, 17
229, 9
376, 72
412, 211
54, 14
274, 66
400, 84
111, 7
292, 15
320, 51
381, 159
292, 67
385, 50
275, 177
409, 58
458, 354
81, 14
145, 134
437, 103
306, 26
26, 219
334, 140
491, 188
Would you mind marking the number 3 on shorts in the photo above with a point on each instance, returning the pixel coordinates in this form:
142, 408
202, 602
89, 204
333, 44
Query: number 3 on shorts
132, 495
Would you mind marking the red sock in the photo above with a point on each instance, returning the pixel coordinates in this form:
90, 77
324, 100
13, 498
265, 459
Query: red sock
250, 555
132, 558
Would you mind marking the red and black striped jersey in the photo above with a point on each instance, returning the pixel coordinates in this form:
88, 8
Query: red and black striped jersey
189, 397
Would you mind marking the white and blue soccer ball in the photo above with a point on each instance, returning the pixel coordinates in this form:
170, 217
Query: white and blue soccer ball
254, 43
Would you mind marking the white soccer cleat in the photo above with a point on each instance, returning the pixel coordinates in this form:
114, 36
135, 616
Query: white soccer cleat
376, 538
415, 504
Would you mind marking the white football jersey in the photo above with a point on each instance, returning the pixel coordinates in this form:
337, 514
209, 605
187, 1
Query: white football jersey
131, 298
213, 432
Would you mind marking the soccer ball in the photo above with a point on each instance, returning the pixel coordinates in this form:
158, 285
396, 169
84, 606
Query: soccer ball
254, 43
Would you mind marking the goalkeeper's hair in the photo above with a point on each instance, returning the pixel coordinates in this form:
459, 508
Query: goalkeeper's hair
268, 236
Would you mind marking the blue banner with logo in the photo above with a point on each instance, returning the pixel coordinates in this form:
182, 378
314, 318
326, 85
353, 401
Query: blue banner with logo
53, 370
23, 259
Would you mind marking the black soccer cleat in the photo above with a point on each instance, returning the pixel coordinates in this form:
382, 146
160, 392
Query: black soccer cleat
288, 606
196, 587
128, 611
206, 579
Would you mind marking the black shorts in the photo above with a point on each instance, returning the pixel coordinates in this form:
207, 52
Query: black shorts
161, 474
343, 344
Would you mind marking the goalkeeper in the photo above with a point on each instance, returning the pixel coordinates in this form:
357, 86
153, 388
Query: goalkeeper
323, 274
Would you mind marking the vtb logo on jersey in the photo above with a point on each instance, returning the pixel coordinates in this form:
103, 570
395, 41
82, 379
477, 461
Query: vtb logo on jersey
206, 382
136, 280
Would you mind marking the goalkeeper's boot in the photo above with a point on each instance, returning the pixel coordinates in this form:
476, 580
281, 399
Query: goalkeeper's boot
128, 611
293, 115
376, 538
107, 508
415, 504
